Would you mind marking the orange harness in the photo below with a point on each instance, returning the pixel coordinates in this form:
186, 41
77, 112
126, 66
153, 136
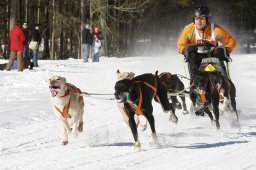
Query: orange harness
137, 108
64, 113
202, 94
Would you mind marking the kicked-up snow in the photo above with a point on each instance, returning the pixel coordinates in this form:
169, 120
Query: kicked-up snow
31, 137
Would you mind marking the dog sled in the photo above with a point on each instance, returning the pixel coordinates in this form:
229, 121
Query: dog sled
211, 86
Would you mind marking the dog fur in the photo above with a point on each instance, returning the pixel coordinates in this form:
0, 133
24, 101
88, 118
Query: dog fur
205, 94
130, 93
228, 96
124, 75
139, 119
173, 84
68, 106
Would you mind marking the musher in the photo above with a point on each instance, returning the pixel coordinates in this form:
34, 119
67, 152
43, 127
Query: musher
199, 31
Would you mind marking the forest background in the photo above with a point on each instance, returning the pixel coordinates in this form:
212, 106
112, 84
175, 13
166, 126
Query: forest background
129, 27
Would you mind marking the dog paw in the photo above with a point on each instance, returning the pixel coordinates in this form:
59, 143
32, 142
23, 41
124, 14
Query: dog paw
64, 142
137, 146
185, 112
173, 118
199, 113
80, 128
217, 125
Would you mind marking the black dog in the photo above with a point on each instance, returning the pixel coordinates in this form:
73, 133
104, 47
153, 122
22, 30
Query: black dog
137, 95
204, 94
227, 93
173, 85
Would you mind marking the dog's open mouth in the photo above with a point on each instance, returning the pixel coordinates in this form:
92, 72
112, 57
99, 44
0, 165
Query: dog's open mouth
54, 90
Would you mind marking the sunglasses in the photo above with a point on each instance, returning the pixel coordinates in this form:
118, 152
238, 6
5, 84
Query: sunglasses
54, 87
200, 17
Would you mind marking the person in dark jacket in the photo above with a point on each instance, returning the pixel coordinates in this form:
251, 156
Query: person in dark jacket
17, 39
87, 40
26, 34
36, 37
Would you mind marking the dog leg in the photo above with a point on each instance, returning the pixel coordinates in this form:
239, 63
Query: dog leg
65, 135
133, 128
137, 120
175, 103
137, 146
75, 129
155, 140
209, 113
143, 121
215, 105
173, 117
80, 126
183, 99
81, 122
123, 112
66, 125
151, 121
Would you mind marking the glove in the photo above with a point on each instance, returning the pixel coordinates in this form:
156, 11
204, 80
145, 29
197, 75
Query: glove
190, 51
220, 54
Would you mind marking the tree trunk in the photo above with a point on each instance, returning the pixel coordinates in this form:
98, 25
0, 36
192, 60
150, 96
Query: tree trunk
26, 11
52, 54
83, 21
103, 25
38, 12
46, 52
15, 12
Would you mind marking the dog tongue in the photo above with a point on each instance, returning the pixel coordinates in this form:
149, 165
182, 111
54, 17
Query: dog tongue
54, 93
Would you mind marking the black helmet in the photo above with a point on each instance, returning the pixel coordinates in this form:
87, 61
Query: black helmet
201, 10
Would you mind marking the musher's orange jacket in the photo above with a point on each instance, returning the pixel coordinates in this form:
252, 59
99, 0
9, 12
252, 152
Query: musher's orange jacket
188, 36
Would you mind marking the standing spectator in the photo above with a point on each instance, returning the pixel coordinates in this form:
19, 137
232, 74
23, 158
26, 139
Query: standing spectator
96, 49
36, 37
1, 51
87, 40
96, 31
26, 34
17, 39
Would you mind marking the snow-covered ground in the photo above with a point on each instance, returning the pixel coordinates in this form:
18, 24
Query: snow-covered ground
31, 138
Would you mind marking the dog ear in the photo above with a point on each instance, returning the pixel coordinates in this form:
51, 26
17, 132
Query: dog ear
118, 71
132, 74
64, 79
156, 73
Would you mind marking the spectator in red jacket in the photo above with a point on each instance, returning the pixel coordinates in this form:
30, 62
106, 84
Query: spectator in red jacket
17, 39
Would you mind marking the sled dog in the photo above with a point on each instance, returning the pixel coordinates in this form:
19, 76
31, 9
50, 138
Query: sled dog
137, 95
138, 119
68, 106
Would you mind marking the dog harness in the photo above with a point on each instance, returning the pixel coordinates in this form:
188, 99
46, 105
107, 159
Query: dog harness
218, 87
64, 113
137, 108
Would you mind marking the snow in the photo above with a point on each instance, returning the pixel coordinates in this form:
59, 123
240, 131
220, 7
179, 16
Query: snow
31, 137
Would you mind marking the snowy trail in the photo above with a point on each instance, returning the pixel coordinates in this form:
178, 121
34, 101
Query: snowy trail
30, 136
